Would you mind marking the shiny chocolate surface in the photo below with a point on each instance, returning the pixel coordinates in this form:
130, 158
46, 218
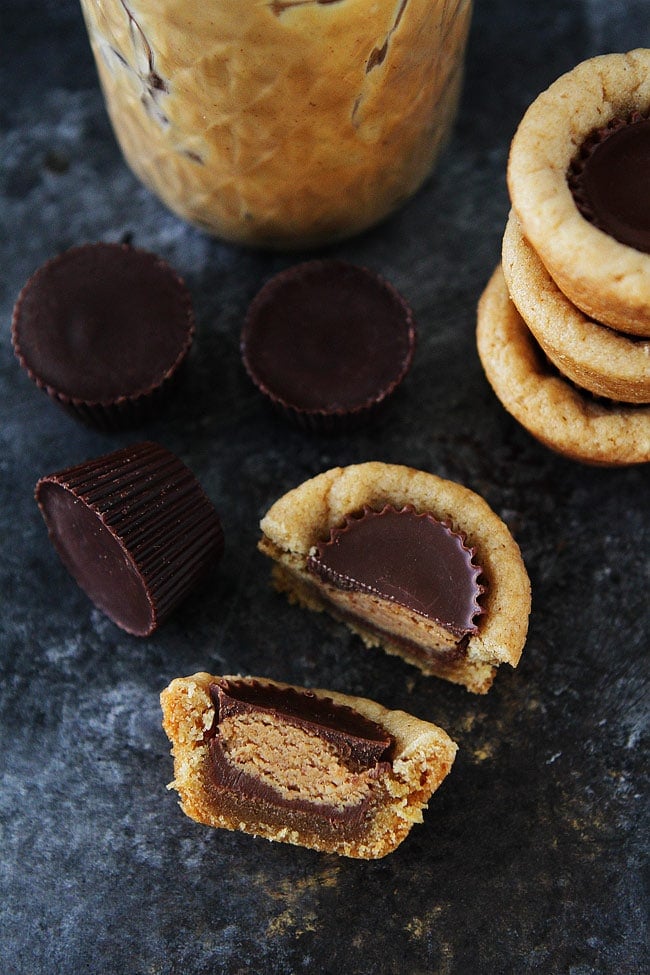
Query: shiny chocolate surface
530, 858
409, 558
328, 336
611, 181
103, 321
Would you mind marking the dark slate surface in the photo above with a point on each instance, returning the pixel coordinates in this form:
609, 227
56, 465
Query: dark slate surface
531, 855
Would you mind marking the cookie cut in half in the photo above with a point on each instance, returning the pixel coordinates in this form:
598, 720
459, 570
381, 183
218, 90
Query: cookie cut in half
567, 419
315, 768
412, 563
578, 182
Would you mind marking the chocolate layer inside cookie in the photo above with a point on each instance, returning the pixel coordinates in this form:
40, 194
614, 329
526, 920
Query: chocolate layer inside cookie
610, 180
287, 756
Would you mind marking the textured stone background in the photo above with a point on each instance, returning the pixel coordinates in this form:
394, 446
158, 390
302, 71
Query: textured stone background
531, 855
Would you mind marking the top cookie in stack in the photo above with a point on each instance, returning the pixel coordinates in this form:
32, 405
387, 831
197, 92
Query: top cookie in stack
564, 324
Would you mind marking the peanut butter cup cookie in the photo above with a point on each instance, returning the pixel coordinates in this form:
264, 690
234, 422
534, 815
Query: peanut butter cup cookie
578, 181
315, 768
412, 563
599, 359
566, 419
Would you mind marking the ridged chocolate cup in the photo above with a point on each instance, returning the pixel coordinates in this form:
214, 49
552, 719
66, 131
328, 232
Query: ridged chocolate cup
328, 343
135, 530
103, 329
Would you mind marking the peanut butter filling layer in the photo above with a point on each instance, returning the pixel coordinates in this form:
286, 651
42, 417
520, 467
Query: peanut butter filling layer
281, 756
298, 766
316, 768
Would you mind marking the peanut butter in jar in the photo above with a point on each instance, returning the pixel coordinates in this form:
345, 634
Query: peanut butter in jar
280, 123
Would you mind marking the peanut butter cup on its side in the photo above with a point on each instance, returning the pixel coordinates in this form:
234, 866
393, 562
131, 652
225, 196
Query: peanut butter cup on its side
103, 329
135, 530
328, 343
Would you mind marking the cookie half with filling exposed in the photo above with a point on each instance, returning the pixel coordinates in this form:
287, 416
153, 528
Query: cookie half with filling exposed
315, 768
412, 563
578, 182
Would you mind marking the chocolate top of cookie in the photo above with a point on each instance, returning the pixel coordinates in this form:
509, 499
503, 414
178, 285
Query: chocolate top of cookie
102, 322
610, 180
362, 740
409, 558
328, 337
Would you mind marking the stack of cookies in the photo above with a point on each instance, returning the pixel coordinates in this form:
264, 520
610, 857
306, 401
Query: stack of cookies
564, 323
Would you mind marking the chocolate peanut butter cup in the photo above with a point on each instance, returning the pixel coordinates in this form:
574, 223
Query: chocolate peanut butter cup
316, 768
610, 180
103, 329
251, 719
135, 530
328, 343
408, 558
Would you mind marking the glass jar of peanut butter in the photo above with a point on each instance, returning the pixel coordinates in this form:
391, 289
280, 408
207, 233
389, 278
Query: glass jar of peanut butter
280, 123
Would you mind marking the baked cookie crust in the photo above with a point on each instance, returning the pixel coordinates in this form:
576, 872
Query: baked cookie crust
600, 359
421, 756
298, 520
567, 420
608, 280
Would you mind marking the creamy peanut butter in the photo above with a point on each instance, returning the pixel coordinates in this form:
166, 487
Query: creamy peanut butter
280, 122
